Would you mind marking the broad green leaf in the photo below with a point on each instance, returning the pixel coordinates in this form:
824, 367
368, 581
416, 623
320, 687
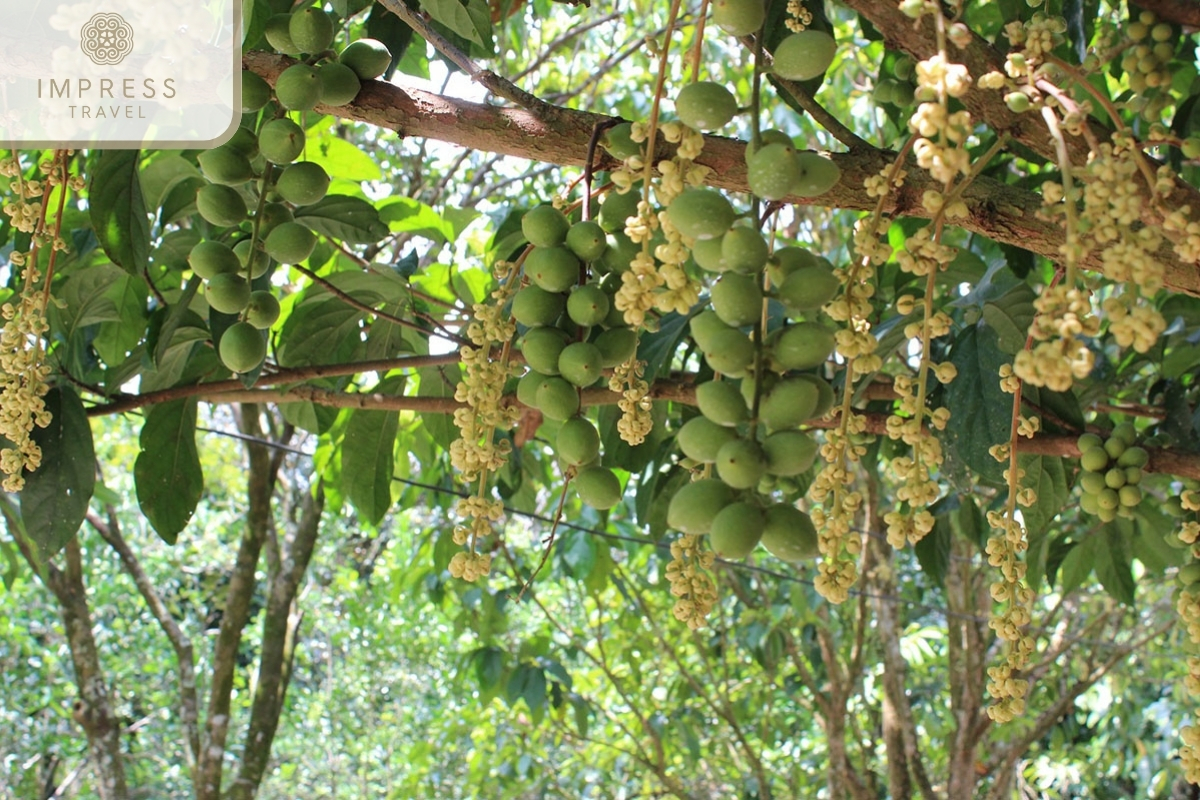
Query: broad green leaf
175, 359
933, 551
454, 16
658, 348
166, 170
341, 159
1113, 567
393, 32
321, 332
404, 214
119, 338
167, 471
88, 299
980, 412
348, 219
55, 499
368, 462
1078, 564
1010, 317
118, 210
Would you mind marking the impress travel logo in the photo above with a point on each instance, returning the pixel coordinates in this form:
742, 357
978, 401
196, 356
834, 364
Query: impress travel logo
121, 73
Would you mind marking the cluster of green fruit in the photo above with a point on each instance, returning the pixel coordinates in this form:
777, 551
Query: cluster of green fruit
1111, 473
1148, 61
574, 332
798, 57
897, 89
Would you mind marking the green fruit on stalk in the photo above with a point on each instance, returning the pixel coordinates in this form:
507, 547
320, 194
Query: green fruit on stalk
242, 347
263, 310
736, 530
804, 56
701, 439
533, 306
789, 533
298, 88
339, 84
705, 105
280, 141
545, 226
290, 243
302, 183
228, 293
695, 504
599, 487
577, 442
221, 205
311, 30
209, 259
369, 58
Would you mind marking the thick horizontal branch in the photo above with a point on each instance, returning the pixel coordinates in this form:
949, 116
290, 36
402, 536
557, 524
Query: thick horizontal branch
1004, 213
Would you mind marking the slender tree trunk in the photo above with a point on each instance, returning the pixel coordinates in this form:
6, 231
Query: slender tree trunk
969, 603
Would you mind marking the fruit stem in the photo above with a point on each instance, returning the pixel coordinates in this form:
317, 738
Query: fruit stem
652, 133
698, 46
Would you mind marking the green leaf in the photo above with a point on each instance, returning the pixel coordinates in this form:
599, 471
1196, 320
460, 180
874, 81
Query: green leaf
392, 31
404, 214
118, 211
342, 159
439, 382
320, 332
167, 471
162, 174
1010, 317
368, 462
933, 551
1078, 564
86, 294
348, 219
55, 499
658, 348
454, 16
1113, 566
980, 412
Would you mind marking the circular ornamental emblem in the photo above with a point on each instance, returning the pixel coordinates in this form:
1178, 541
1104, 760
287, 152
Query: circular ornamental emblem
106, 38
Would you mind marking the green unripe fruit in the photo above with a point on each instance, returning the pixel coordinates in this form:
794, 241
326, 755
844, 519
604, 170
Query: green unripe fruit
773, 171
721, 402
1162, 32
903, 94
621, 250
278, 33
369, 58
1191, 147
695, 504
311, 30
818, 175
263, 310
789, 533
221, 205
244, 141
577, 442
701, 213
885, 90
825, 395
599, 487
1017, 102
1107, 514
808, 288
737, 299
1094, 460
736, 530
1088, 441
619, 143
705, 105
273, 214
1089, 504
616, 345
803, 346
706, 327
1130, 496
1092, 482
262, 262
789, 452
528, 385
1115, 447
744, 250
709, 255
739, 17
208, 259
1126, 432
1133, 475
730, 352
741, 463
554, 269
533, 306
281, 141
256, 92
228, 293
581, 363
290, 243
617, 208
242, 347
765, 138
588, 305
545, 226
302, 183
805, 55
1134, 457
587, 240
1108, 499
786, 260
339, 84
557, 399
541, 348
1189, 574
1114, 478
701, 439
225, 165
790, 403
298, 87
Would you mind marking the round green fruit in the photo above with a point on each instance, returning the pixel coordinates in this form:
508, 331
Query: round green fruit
256, 92
695, 505
617, 208
577, 442
825, 395
767, 137
263, 310
225, 165
789, 533
721, 402
1134, 457
808, 288
587, 240
786, 260
737, 299
588, 305
803, 346
528, 385
619, 143
739, 17
706, 327
1129, 496
1089, 504
242, 347
1088, 441
298, 88
278, 33
803, 56
701, 213
1094, 459
280, 141
533, 306
554, 269
302, 183
290, 243
744, 250
705, 105
245, 142
369, 58
339, 84
545, 226
541, 348
701, 439
789, 452
1133, 475
620, 251
1126, 432
818, 174
1108, 499
557, 399
1115, 447
709, 254
228, 293
273, 214
208, 259
616, 345
599, 487
736, 530
1114, 478
773, 170
741, 463
1092, 482
221, 205
729, 352
311, 30
581, 363
262, 261
790, 403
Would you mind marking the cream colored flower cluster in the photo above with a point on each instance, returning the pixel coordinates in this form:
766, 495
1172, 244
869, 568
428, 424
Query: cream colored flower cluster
1004, 551
636, 421
1064, 314
941, 146
799, 17
693, 589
